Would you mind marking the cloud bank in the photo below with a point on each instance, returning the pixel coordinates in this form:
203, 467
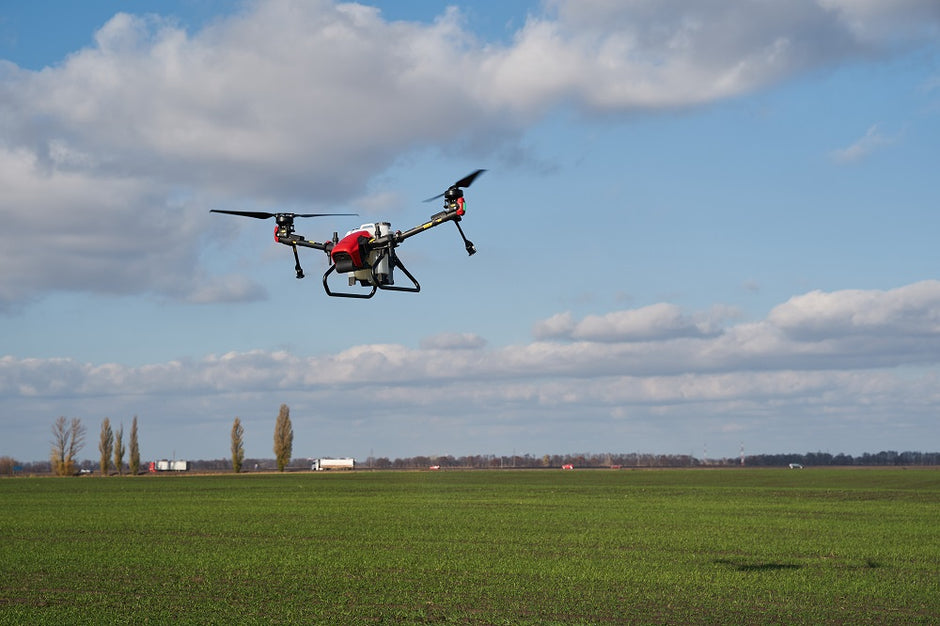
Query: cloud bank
822, 364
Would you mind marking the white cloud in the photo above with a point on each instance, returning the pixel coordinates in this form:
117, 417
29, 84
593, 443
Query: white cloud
887, 22
453, 341
105, 234
657, 321
908, 311
644, 53
558, 325
872, 140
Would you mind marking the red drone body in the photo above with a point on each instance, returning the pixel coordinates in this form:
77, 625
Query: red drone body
348, 254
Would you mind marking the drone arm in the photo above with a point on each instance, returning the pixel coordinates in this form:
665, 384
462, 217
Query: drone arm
293, 241
298, 240
449, 215
452, 213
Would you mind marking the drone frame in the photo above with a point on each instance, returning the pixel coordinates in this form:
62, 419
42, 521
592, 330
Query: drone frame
379, 246
386, 245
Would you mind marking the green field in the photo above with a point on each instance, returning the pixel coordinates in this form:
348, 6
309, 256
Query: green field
475, 547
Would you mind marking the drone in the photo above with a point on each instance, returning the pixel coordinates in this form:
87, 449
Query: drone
367, 254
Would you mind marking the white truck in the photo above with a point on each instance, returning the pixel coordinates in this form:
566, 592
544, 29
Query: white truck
164, 465
332, 464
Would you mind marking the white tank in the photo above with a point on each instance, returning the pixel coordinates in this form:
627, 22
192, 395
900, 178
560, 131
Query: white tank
384, 270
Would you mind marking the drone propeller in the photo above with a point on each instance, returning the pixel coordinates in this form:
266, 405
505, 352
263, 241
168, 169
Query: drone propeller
466, 181
261, 215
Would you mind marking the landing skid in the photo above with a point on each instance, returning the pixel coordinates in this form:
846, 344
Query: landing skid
376, 282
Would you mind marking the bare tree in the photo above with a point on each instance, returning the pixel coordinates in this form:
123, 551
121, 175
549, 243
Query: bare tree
134, 459
61, 435
119, 450
7, 464
106, 445
68, 438
76, 443
283, 438
238, 445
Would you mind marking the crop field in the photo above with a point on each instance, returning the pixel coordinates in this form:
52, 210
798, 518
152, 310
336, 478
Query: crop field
816, 546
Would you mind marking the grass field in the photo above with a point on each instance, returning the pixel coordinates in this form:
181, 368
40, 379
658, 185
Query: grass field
475, 547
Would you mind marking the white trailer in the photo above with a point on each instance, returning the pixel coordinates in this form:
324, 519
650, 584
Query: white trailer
331, 464
164, 465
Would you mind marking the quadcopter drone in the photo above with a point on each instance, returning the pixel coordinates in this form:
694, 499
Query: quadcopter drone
367, 254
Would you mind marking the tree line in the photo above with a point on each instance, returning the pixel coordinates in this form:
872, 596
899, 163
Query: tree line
635, 459
622, 460
578, 460
68, 439
884, 458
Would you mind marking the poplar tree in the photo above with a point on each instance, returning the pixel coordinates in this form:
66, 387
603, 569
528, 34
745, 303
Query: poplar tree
119, 450
238, 445
134, 459
106, 445
283, 438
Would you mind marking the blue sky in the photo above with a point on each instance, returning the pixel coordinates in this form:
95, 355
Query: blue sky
703, 225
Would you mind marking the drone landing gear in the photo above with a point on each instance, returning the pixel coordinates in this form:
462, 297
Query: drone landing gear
343, 294
395, 262
297, 268
378, 282
471, 250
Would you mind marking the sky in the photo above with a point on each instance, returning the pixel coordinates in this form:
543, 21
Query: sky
704, 226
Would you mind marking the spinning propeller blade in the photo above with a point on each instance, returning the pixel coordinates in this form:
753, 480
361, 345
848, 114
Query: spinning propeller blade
466, 181
261, 215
